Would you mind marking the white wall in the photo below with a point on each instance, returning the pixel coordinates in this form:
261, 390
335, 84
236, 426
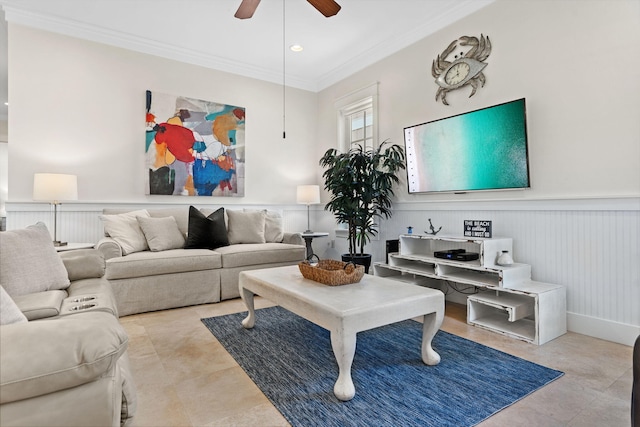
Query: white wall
78, 107
583, 126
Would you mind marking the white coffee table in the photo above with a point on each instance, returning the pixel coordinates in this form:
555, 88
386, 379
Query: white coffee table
346, 310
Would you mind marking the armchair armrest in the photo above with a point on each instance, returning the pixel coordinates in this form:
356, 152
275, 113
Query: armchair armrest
293, 239
83, 264
109, 248
42, 357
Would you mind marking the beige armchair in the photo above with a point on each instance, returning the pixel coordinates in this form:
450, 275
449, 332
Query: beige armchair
63, 359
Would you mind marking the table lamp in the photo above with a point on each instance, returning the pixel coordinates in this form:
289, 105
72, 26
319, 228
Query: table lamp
55, 188
308, 195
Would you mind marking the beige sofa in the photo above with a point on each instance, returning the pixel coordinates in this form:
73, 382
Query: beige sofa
63, 359
144, 279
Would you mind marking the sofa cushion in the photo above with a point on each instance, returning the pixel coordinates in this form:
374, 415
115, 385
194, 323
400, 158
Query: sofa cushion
180, 214
161, 233
206, 232
246, 227
142, 264
80, 349
41, 305
260, 253
29, 262
273, 226
9, 311
125, 230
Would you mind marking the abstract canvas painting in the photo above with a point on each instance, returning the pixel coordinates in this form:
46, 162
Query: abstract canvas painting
193, 147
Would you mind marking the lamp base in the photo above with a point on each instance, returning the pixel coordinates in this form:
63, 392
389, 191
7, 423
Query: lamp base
307, 232
58, 243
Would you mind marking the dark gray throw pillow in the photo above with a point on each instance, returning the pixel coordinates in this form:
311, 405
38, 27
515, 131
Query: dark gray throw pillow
206, 232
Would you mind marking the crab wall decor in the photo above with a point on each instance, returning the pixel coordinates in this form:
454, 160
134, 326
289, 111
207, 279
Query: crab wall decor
465, 69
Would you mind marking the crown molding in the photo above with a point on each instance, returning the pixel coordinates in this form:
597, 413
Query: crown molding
72, 28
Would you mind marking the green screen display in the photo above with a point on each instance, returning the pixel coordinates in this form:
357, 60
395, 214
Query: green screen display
480, 150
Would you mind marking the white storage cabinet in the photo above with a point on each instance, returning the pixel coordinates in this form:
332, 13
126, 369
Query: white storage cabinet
509, 302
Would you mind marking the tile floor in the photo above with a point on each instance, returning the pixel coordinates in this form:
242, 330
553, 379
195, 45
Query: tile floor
185, 377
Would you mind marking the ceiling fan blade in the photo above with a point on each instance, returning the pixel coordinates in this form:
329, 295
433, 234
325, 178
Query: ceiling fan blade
246, 9
326, 7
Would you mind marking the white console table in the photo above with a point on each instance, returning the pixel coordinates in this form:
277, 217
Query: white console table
508, 301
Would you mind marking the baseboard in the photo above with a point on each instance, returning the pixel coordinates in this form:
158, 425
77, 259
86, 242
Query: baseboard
621, 333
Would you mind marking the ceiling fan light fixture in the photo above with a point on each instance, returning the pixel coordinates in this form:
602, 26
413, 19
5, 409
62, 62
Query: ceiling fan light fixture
296, 48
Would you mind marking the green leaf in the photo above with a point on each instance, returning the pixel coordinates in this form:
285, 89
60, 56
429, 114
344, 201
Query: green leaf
361, 186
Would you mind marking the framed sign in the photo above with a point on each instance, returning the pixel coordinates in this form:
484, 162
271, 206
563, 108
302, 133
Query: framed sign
477, 228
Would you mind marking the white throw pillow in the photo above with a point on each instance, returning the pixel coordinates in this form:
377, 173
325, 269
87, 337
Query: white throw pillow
9, 311
125, 230
161, 233
246, 227
273, 226
29, 262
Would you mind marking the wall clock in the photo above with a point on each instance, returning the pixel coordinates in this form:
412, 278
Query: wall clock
465, 69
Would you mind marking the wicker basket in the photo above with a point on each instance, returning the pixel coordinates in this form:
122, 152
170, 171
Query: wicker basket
331, 272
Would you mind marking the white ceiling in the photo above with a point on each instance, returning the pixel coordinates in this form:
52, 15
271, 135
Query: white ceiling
204, 32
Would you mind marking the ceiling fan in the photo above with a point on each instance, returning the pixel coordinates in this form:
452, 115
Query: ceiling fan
326, 7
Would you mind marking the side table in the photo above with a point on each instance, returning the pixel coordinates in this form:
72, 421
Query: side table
74, 246
308, 237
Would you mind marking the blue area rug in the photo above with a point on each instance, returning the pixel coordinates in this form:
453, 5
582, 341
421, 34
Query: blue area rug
291, 361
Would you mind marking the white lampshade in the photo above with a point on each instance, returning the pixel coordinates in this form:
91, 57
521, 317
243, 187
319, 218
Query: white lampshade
308, 194
55, 187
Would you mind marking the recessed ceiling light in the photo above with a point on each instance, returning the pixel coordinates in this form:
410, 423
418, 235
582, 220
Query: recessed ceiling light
6, 103
296, 48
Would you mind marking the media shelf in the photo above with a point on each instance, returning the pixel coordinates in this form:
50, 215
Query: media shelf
508, 301
426, 244
416, 257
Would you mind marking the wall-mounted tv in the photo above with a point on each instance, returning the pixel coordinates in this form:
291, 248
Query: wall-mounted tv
480, 150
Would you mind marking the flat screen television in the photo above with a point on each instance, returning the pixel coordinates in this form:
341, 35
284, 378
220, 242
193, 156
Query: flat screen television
480, 150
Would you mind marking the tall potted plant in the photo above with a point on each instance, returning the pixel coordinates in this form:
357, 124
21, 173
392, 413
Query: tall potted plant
361, 185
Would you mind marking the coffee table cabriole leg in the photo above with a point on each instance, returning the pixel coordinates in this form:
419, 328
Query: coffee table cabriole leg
247, 297
344, 348
430, 326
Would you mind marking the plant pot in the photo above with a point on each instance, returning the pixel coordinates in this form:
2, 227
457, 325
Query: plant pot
359, 259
